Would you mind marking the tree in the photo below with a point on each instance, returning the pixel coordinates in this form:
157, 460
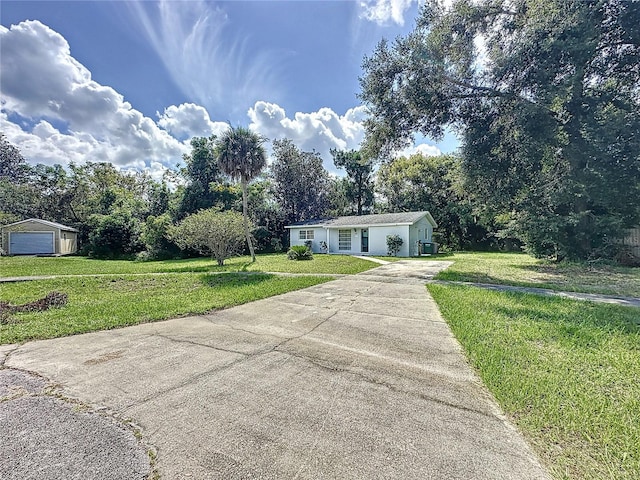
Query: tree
206, 185
300, 182
211, 232
433, 183
13, 166
241, 155
544, 96
359, 174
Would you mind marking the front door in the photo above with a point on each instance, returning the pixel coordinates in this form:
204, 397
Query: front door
364, 240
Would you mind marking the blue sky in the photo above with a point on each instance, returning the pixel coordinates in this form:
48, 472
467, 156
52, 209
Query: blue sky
132, 82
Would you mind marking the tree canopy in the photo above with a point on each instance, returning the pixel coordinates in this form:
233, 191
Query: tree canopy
545, 96
300, 182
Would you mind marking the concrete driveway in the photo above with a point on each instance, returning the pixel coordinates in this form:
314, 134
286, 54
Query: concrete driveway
355, 378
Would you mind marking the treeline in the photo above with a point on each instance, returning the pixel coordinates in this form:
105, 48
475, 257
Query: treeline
128, 214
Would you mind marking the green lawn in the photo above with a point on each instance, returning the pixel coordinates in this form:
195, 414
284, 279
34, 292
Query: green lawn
29, 266
99, 303
523, 270
566, 372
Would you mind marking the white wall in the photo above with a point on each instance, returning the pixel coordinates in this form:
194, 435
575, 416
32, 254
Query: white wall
319, 235
378, 239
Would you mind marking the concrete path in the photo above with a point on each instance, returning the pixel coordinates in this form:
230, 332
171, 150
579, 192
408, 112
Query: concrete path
591, 297
357, 378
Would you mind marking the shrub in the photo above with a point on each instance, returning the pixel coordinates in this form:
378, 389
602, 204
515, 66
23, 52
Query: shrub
394, 243
212, 232
299, 252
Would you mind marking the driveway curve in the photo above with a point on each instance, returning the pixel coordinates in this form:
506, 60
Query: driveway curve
356, 378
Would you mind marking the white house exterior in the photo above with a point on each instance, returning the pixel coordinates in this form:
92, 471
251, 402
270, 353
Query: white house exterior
365, 234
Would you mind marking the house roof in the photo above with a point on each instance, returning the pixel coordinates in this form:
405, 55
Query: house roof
401, 218
44, 222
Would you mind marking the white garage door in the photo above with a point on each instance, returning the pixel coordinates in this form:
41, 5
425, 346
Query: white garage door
31, 243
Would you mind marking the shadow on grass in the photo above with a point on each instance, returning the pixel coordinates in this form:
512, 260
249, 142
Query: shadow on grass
235, 279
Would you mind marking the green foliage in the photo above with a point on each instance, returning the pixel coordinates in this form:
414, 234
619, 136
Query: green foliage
394, 244
299, 252
211, 232
564, 371
242, 156
115, 235
154, 236
359, 184
548, 111
433, 183
106, 302
13, 166
300, 182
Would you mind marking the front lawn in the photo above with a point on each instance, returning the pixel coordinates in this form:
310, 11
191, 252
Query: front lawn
566, 372
104, 302
277, 262
523, 270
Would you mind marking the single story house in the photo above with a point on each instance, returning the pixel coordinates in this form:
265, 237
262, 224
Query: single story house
365, 234
39, 237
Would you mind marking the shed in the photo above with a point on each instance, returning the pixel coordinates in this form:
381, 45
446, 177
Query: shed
39, 237
365, 234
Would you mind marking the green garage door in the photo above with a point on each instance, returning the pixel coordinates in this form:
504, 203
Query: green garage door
32, 243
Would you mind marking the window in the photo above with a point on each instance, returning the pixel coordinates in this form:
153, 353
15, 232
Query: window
306, 234
344, 239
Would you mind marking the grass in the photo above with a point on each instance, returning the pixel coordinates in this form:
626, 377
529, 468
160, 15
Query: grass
566, 372
523, 270
33, 266
100, 303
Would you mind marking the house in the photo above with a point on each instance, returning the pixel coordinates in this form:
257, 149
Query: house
365, 234
39, 237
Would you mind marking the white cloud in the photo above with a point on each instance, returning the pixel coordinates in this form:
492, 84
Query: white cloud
423, 148
384, 12
72, 117
320, 131
206, 58
189, 120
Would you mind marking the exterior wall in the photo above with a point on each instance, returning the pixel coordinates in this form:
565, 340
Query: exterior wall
378, 239
319, 235
420, 231
61, 245
334, 244
68, 242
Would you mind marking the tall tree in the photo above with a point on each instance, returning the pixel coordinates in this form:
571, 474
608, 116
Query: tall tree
242, 156
360, 178
544, 95
432, 183
13, 166
300, 182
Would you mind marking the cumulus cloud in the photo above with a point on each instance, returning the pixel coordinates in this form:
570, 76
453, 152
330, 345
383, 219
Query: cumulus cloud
423, 148
189, 120
384, 12
72, 117
320, 131
209, 61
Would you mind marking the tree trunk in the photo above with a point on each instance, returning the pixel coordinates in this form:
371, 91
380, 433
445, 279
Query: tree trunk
245, 216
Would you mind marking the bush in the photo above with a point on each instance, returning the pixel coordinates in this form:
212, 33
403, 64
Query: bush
394, 243
299, 252
212, 232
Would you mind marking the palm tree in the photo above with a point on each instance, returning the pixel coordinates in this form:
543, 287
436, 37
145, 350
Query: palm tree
241, 156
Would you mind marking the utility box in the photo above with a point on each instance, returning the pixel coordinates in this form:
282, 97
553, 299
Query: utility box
429, 248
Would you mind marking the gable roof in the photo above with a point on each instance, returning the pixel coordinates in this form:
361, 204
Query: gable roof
44, 222
401, 218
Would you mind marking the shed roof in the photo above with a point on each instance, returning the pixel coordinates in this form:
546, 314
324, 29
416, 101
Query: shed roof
44, 222
401, 218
